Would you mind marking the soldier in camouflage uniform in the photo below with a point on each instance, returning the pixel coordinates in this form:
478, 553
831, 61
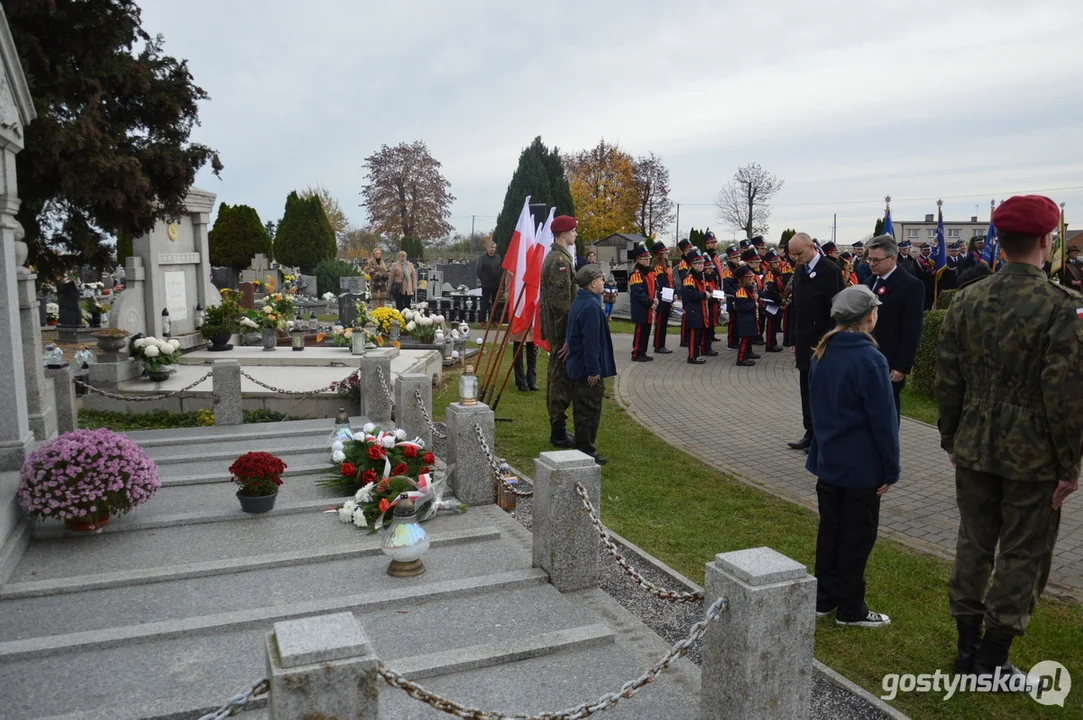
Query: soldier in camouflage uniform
1010, 392
558, 290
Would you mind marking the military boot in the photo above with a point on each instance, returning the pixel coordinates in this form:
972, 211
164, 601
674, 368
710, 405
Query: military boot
992, 659
969, 640
560, 437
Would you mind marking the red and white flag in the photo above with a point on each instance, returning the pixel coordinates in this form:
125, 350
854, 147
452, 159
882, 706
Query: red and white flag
515, 262
542, 242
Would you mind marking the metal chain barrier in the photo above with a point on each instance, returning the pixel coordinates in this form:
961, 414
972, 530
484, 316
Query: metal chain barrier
661, 592
238, 702
326, 388
627, 690
140, 398
425, 414
494, 467
385, 386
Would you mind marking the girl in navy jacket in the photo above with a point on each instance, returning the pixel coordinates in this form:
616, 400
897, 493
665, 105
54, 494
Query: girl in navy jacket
854, 454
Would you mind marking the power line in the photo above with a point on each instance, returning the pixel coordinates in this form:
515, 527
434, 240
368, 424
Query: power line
910, 199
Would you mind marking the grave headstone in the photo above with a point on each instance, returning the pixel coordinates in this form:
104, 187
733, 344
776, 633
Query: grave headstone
223, 277
248, 295
351, 284
308, 285
260, 271
68, 299
347, 308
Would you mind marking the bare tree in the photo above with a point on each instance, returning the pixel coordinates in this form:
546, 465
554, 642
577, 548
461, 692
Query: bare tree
651, 178
743, 202
405, 193
358, 243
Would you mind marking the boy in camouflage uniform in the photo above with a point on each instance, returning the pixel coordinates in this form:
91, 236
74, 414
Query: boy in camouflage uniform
558, 290
1010, 392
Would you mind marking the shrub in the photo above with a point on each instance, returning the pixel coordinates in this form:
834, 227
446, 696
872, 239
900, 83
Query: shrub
924, 374
87, 474
943, 299
328, 273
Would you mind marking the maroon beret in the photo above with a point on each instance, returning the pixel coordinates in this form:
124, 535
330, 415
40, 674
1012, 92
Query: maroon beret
562, 223
1027, 215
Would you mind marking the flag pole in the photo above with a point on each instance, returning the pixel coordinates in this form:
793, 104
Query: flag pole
518, 351
496, 355
492, 314
495, 366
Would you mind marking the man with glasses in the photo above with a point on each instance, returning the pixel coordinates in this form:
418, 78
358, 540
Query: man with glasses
902, 298
816, 282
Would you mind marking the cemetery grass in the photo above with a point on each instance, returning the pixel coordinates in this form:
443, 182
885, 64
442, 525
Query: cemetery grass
164, 420
918, 407
683, 512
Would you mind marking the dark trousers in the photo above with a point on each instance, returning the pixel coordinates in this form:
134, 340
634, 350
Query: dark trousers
787, 328
402, 302
731, 333
684, 330
559, 390
488, 298
849, 518
806, 412
772, 329
1009, 525
744, 347
695, 342
661, 322
587, 413
640, 340
706, 340
525, 380
896, 388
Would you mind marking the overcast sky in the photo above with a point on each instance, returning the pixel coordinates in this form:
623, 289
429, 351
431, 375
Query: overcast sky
845, 101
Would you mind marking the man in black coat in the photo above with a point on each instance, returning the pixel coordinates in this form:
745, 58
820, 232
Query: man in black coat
490, 273
816, 282
901, 311
905, 261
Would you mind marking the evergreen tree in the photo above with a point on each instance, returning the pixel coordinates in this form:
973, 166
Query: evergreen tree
784, 241
304, 236
237, 236
696, 238
540, 175
124, 248
878, 230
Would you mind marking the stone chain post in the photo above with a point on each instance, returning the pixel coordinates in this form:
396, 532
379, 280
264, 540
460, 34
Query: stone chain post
374, 389
67, 417
226, 379
408, 415
471, 477
565, 541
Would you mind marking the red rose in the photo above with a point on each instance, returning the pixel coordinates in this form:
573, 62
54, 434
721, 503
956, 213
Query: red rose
423, 470
384, 505
400, 469
349, 469
376, 452
382, 487
410, 451
428, 458
369, 476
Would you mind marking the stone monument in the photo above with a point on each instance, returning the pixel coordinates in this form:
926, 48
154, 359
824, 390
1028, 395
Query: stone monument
174, 263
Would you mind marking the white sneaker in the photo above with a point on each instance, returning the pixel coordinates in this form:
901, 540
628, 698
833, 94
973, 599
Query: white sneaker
871, 620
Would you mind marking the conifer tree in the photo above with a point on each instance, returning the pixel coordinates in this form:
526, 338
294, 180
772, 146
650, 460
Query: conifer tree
237, 236
540, 175
304, 236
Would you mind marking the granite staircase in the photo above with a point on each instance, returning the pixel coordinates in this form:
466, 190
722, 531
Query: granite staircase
164, 613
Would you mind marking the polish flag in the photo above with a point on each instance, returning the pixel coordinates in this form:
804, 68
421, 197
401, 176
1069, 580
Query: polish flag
532, 297
515, 262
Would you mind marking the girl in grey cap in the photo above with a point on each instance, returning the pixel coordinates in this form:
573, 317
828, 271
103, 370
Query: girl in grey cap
854, 454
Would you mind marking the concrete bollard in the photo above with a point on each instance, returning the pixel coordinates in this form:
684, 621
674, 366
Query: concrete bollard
565, 541
322, 667
67, 418
226, 379
757, 658
472, 477
374, 390
408, 415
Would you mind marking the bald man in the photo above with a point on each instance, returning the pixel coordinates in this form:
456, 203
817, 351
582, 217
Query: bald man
816, 281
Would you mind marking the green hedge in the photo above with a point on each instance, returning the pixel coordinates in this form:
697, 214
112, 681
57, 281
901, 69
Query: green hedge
328, 273
924, 374
943, 299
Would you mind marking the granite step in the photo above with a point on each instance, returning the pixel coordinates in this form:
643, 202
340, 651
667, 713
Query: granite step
183, 457
218, 471
213, 598
184, 675
319, 427
238, 538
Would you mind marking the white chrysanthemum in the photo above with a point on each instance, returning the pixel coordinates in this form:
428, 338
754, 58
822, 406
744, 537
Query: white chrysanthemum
289, 324
267, 309
151, 351
359, 518
400, 434
368, 428
406, 314
388, 441
411, 326
338, 456
175, 343
364, 495
349, 506
337, 445
345, 515
359, 436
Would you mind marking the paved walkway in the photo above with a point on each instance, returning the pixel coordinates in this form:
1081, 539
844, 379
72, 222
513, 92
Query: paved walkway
673, 399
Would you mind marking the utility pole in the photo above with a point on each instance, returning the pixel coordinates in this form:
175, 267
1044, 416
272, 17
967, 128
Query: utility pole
677, 232
472, 224
834, 225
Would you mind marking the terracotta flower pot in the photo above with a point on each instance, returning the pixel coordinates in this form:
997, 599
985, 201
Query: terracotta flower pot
85, 525
256, 503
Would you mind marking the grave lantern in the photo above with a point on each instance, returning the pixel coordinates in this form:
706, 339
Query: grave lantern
405, 541
468, 387
297, 337
165, 322
313, 322
201, 315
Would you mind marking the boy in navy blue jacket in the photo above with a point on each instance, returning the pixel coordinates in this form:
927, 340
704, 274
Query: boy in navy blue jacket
745, 315
694, 297
590, 357
641, 291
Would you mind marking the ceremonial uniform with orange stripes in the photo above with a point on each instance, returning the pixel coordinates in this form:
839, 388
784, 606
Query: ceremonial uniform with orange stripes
712, 269
746, 315
663, 278
773, 285
694, 296
683, 268
729, 287
641, 291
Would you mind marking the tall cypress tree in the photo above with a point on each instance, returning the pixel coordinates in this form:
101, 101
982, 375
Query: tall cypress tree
304, 237
540, 175
237, 236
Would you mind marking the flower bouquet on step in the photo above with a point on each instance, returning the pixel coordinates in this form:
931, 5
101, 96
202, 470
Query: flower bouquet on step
378, 468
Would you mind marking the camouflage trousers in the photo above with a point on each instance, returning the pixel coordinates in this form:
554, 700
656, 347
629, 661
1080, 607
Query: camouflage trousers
1017, 516
559, 390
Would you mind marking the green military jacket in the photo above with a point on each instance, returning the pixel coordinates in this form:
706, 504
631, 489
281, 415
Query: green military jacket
1009, 382
557, 293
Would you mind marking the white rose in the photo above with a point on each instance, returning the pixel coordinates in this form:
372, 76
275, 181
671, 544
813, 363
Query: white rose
388, 441
337, 445
359, 436
359, 518
368, 428
338, 456
151, 351
411, 326
400, 434
345, 515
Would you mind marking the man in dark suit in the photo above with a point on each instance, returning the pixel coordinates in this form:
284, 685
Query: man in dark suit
902, 301
816, 281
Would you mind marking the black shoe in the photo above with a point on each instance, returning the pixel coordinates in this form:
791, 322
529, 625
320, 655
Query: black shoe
710, 353
561, 438
684, 345
715, 338
774, 349
732, 347
643, 358
533, 388
992, 659
757, 341
969, 640
522, 388
754, 356
662, 351
599, 459
746, 363
802, 444
696, 361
